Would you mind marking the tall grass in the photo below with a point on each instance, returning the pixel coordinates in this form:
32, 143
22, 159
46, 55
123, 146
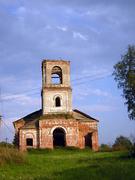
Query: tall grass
11, 155
70, 164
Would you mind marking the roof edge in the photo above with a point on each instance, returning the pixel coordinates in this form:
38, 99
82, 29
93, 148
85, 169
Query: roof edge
27, 116
84, 114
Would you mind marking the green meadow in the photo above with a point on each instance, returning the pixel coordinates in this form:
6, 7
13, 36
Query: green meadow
68, 164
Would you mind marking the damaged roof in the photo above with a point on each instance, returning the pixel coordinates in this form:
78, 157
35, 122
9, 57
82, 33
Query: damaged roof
32, 120
79, 115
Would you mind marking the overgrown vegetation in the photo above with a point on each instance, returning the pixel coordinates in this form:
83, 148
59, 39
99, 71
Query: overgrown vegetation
70, 164
105, 148
9, 154
121, 143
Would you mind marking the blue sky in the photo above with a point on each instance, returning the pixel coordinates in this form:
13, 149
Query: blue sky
91, 34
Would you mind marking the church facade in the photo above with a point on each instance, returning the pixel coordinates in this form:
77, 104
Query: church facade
56, 124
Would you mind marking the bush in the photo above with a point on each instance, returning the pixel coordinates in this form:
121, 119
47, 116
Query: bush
122, 143
11, 155
105, 148
5, 144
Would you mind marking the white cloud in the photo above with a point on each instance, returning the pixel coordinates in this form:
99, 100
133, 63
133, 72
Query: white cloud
99, 11
79, 35
22, 99
34, 35
100, 92
62, 28
94, 72
23, 10
82, 93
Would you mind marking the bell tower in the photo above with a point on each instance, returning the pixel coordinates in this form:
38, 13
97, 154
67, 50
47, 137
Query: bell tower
56, 89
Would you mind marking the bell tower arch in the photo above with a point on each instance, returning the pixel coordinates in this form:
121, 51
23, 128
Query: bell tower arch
56, 89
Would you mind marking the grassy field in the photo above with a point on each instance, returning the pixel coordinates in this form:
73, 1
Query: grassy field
71, 164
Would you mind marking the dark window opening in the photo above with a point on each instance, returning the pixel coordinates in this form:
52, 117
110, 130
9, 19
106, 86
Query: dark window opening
56, 75
59, 138
88, 140
57, 102
29, 142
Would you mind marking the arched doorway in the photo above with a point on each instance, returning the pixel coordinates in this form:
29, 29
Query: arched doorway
88, 140
59, 137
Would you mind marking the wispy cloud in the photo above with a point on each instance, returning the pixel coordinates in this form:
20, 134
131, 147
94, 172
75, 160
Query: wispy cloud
79, 35
99, 92
22, 99
82, 93
83, 32
62, 28
7, 79
91, 73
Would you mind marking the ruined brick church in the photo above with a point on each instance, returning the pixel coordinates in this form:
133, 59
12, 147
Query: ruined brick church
56, 124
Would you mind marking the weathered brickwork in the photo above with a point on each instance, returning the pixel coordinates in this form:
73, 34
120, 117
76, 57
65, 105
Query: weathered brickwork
56, 124
48, 126
51, 90
28, 133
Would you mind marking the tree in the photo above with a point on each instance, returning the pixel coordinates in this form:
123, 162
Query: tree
124, 74
16, 140
105, 148
122, 143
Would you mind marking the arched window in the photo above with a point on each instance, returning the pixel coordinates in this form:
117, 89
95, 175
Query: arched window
56, 75
57, 102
